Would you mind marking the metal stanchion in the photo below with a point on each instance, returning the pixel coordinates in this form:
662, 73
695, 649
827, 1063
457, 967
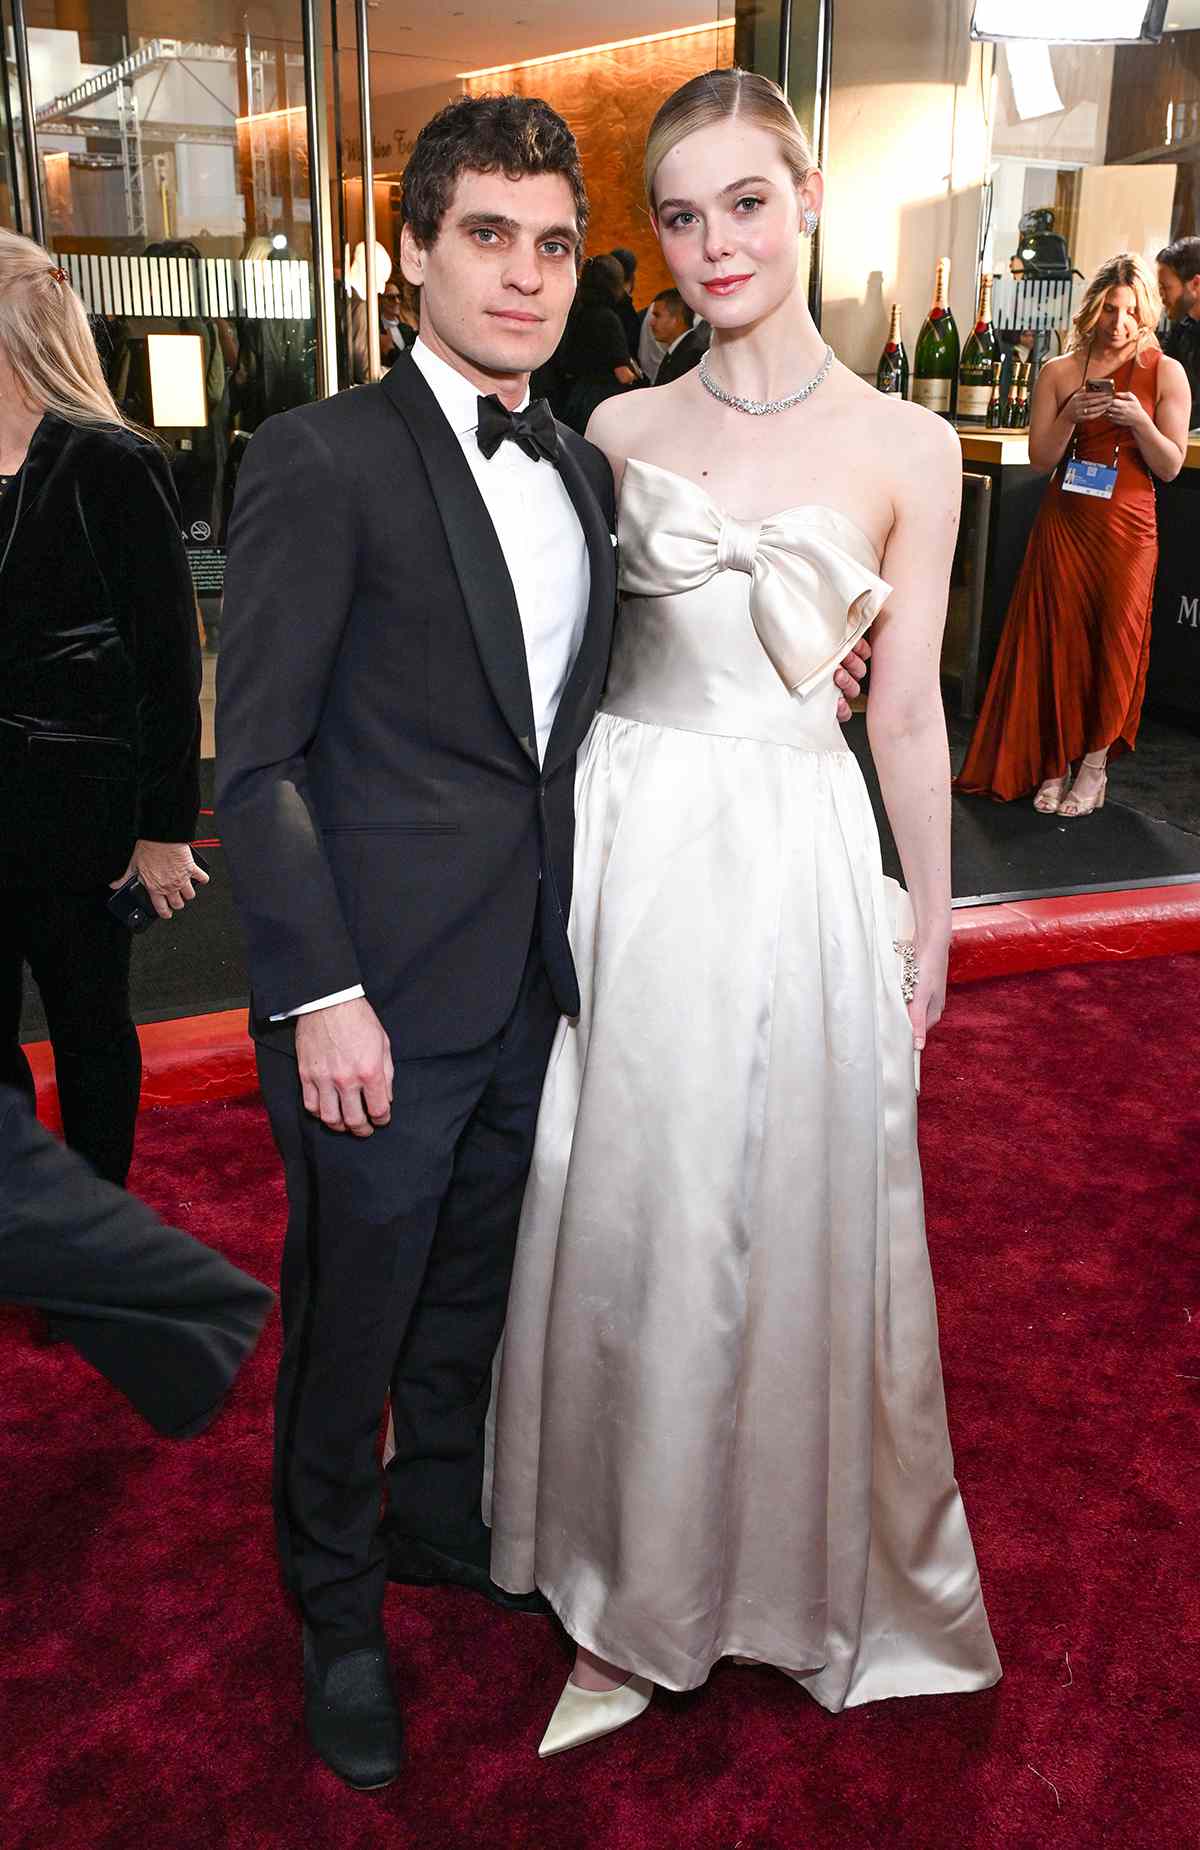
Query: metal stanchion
374, 366
318, 187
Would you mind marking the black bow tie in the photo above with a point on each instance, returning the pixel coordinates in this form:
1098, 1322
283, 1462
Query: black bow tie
533, 429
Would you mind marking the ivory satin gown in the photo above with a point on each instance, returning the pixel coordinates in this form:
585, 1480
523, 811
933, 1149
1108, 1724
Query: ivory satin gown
719, 1420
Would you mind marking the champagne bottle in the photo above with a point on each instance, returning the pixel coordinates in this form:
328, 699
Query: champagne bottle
892, 372
975, 372
1010, 403
1022, 418
935, 368
995, 408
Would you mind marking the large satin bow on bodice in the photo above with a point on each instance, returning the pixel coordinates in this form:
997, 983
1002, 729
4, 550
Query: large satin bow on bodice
811, 597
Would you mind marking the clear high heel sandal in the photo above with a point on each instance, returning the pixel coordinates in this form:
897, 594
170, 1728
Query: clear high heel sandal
1051, 794
1081, 806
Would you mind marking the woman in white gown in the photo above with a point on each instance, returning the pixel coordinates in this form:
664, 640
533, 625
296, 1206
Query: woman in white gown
720, 1426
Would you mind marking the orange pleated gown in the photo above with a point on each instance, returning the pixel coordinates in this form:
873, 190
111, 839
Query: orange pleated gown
1070, 673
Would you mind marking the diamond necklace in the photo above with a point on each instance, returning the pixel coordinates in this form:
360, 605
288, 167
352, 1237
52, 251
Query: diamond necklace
758, 407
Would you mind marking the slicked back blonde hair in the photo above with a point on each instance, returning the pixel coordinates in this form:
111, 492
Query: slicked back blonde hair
1129, 271
47, 341
716, 96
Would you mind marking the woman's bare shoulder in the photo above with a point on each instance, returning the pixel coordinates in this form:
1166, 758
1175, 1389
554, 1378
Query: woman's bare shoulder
910, 437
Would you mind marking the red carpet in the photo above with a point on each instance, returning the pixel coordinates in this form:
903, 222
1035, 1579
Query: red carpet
149, 1668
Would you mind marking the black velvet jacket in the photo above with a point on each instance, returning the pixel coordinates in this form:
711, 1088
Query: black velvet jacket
99, 657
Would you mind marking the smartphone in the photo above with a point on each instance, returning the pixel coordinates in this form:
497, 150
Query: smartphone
1104, 387
132, 904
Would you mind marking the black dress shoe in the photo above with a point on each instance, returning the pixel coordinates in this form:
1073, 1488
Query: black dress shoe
420, 1564
351, 1714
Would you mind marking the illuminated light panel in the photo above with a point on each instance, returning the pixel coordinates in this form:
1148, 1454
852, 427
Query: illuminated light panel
177, 381
1069, 22
271, 115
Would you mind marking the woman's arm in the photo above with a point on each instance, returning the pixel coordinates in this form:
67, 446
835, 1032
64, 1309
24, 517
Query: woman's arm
905, 722
1051, 425
1162, 439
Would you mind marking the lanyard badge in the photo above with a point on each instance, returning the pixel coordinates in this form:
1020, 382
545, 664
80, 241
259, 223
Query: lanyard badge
1089, 478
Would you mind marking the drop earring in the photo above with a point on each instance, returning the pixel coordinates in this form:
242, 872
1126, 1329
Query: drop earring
811, 221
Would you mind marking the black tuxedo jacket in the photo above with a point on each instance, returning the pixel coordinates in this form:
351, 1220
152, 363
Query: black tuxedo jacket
99, 657
689, 353
378, 788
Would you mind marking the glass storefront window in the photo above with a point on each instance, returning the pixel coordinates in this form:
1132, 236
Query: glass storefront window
1095, 150
174, 187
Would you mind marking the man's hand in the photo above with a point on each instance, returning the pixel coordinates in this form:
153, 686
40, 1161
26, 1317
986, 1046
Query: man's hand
849, 675
345, 1064
167, 871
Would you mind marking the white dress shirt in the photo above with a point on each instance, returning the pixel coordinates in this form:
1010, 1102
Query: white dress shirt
543, 546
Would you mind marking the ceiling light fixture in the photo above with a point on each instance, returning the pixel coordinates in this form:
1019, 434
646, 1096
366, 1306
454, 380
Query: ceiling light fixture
1071, 22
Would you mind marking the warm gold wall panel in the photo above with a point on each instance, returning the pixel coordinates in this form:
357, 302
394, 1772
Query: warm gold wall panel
610, 98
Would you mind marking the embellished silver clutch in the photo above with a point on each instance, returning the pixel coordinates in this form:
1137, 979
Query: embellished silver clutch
906, 951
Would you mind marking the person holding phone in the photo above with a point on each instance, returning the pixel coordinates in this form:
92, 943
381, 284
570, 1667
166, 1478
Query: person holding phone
1066, 692
99, 703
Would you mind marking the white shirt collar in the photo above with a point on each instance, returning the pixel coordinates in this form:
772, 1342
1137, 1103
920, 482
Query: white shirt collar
457, 397
677, 340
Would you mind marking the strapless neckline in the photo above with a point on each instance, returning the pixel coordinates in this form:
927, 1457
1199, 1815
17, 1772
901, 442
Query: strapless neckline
783, 513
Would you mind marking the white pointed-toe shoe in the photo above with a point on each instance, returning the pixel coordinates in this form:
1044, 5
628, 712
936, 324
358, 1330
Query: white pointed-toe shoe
585, 1714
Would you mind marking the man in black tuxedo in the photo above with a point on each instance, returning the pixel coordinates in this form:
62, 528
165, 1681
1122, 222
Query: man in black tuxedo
404, 680
673, 325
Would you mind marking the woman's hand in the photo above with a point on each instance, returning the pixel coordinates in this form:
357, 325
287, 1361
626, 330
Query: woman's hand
1126, 409
928, 1005
168, 872
1083, 405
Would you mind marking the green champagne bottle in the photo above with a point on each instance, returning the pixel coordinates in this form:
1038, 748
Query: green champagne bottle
935, 369
975, 372
995, 410
892, 372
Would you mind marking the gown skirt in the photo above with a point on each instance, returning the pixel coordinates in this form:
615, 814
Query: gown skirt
719, 1423
1070, 673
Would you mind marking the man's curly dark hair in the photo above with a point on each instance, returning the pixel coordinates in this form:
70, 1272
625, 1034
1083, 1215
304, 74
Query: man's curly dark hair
512, 135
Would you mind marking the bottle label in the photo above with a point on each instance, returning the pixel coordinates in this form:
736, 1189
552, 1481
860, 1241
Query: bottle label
934, 394
973, 402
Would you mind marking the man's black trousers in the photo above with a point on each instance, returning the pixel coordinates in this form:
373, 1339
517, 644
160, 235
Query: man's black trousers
395, 1278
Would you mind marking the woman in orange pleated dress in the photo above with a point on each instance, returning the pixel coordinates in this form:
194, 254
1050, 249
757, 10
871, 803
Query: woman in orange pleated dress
1066, 691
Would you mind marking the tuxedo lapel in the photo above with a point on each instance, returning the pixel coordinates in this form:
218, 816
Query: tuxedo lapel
475, 550
585, 684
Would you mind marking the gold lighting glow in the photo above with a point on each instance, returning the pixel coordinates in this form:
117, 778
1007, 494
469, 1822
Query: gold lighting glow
610, 94
588, 51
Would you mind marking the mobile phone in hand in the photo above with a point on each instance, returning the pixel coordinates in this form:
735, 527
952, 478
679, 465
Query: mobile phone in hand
132, 904
1103, 388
